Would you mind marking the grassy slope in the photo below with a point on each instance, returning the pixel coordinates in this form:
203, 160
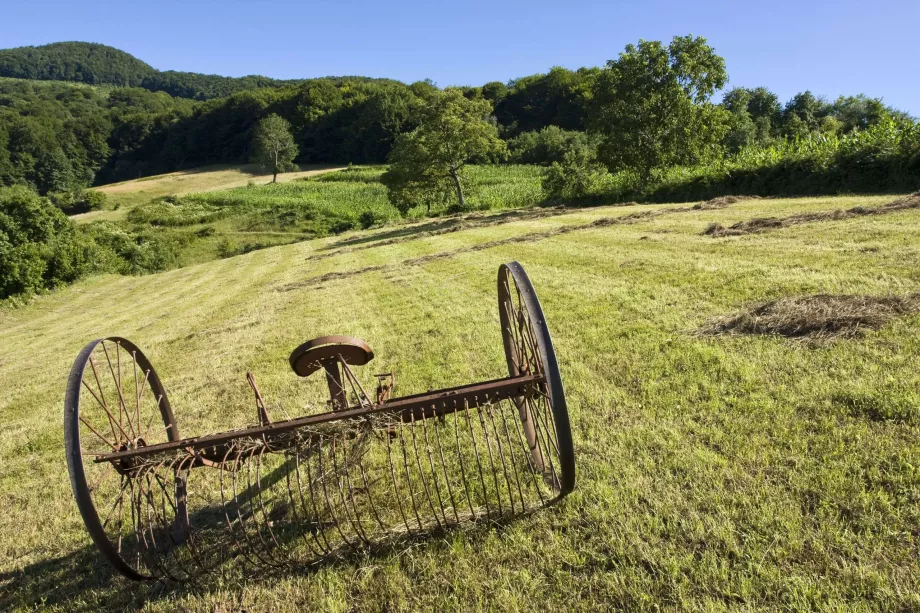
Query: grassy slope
720, 473
128, 194
243, 219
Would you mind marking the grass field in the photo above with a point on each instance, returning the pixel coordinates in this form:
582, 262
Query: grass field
220, 222
128, 194
715, 473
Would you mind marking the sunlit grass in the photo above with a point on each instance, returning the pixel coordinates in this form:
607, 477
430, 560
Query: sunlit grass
714, 473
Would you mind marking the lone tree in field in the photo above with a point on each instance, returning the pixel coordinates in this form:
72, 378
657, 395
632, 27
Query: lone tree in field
652, 106
427, 164
273, 146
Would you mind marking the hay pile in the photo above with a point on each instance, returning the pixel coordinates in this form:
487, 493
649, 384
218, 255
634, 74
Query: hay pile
721, 202
821, 315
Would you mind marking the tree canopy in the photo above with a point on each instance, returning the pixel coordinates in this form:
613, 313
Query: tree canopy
273, 147
651, 106
39, 247
427, 164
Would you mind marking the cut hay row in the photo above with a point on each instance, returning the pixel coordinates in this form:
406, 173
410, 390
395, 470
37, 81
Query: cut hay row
766, 224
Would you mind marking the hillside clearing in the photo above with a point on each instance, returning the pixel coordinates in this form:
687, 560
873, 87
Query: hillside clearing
128, 194
714, 472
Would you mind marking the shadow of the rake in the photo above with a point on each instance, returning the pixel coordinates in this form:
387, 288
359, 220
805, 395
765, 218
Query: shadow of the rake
83, 581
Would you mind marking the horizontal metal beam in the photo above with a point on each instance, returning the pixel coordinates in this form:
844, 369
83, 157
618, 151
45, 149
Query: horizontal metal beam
417, 406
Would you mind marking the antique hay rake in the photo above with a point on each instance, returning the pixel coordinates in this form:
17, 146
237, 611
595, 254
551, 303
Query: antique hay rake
360, 475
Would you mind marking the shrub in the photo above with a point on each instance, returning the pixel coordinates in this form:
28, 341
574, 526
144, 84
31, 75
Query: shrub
882, 158
578, 176
546, 146
341, 225
130, 252
93, 200
39, 246
367, 219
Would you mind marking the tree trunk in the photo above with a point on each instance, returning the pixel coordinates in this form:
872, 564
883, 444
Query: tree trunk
275, 176
275, 169
456, 178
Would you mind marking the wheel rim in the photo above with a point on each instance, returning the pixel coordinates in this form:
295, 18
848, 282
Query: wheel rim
529, 351
114, 401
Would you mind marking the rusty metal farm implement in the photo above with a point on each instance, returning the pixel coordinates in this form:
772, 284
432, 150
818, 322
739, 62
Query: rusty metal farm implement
365, 472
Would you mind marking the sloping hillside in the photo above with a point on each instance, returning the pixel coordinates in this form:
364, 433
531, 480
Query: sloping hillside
738, 471
97, 64
127, 194
90, 63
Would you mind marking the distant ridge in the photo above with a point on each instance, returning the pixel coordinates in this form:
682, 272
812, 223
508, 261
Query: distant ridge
97, 64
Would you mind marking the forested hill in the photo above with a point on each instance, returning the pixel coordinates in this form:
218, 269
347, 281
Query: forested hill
97, 64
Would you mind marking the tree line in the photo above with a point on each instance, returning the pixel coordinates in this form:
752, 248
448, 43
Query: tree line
54, 137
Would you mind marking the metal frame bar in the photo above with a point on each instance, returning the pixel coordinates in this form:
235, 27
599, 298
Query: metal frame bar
418, 406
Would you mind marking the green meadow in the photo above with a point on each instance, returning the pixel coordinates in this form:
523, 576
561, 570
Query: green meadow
714, 471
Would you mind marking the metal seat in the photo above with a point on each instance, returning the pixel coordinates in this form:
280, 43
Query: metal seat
316, 353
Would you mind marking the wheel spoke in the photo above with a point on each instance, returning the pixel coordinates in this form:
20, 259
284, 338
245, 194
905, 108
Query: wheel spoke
93, 430
137, 391
112, 422
152, 415
110, 469
108, 515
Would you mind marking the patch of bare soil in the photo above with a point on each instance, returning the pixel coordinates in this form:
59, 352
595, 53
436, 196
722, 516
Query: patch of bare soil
766, 224
721, 202
818, 316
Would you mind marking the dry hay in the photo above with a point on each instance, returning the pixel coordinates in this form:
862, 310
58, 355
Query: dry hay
721, 202
765, 224
818, 316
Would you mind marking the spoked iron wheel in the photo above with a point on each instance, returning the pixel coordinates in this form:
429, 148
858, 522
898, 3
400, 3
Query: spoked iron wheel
115, 402
529, 351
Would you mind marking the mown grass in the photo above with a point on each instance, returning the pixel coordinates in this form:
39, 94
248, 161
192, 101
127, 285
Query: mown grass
716, 473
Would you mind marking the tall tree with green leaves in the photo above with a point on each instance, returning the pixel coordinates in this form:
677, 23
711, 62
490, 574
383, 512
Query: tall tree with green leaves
273, 147
652, 108
427, 164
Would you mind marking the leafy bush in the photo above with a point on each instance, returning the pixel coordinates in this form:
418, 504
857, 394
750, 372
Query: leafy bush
545, 146
367, 219
92, 200
883, 158
577, 177
78, 201
134, 252
39, 246
341, 225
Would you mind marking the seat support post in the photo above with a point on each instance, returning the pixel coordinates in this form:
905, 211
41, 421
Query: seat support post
336, 389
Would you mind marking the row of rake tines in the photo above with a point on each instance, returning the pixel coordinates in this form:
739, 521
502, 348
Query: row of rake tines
358, 484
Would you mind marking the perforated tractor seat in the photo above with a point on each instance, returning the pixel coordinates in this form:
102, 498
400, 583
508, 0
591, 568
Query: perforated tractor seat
311, 356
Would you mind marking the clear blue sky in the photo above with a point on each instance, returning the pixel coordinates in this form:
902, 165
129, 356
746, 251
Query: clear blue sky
832, 48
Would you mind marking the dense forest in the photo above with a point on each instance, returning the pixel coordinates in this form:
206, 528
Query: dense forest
96, 64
